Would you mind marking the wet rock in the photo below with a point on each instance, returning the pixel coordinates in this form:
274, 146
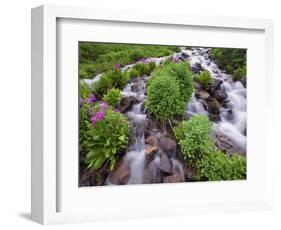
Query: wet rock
225, 144
175, 178
214, 117
244, 81
151, 140
190, 173
197, 86
151, 174
120, 174
151, 150
220, 95
165, 164
126, 104
213, 105
216, 84
203, 94
196, 68
184, 54
167, 145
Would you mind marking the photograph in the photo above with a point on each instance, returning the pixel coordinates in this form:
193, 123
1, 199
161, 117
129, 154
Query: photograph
151, 114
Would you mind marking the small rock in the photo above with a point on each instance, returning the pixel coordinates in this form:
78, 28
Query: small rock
244, 81
151, 140
125, 104
168, 145
151, 174
214, 117
151, 150
225, 144
190, 173
220, 95
175, 178
216, 84
165, 163
184, 54
120, 174
203, 94
196, 68
213, 105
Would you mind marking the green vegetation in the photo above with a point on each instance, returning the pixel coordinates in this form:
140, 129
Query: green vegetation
111, 79
204, 78
169, 89
113, 97
194, 138
85, 90
103, 133
95, 58
198, 149
164, 98
181, 72
218, 166
233, 61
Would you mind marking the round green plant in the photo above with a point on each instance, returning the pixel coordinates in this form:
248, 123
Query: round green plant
218, 166
164, 98
194, 137
113, 97
181, 72
204, 78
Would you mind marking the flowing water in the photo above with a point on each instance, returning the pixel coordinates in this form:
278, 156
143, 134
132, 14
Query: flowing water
232, 119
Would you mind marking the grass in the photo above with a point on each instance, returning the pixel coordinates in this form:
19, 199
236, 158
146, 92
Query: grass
95, 58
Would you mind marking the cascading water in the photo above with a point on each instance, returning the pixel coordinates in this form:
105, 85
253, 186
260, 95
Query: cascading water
233, 118
136, 156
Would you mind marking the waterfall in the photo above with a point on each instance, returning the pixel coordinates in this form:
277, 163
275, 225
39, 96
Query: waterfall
233, 120
136, 156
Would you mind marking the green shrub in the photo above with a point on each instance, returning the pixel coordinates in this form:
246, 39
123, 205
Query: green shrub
133, 73
182, 74
230, 60
113, 97
140, 69
163, 98
218, 166
239, 73
103, 134
204, 78
85, 90
135, 55
111, 79
194, 138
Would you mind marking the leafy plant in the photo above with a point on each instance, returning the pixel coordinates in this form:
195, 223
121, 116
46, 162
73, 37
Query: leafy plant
194, 138
181, 72
103, 134
164, 99
239, 73
204, 78
85, 90
133, 73
140, 69
231, 60
113, 97
218, 166
135, 55
111, 79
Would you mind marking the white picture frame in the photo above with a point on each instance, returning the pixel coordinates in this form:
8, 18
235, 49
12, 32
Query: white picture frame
46, 165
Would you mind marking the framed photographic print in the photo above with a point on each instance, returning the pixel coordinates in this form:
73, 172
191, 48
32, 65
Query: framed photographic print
138, 114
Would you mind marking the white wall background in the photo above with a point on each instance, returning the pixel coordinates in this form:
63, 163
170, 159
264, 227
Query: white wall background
15, 113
